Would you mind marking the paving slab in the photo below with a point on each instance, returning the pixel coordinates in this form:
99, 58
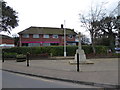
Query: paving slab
102, 72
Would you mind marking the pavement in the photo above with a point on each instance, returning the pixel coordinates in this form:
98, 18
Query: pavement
103, 73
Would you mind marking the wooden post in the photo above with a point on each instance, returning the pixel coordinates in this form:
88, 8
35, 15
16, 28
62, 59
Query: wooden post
77, 62
27, 59
3, 57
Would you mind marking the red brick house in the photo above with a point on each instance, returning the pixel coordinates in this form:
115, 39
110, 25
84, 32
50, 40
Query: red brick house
6, 41
46, 36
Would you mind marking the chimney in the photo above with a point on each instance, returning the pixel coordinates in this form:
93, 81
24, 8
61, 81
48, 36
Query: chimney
62, 26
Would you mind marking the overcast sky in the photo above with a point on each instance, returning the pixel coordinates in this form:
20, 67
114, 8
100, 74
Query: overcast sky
52, 13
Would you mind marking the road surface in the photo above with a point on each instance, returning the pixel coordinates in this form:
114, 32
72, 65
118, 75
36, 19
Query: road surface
12, 80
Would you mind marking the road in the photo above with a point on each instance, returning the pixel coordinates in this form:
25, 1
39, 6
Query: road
12, 80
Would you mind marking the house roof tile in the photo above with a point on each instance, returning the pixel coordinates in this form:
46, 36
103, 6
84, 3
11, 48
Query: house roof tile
47, 30
5, 37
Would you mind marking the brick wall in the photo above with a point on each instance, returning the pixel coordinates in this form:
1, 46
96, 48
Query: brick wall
60, 39
6, 41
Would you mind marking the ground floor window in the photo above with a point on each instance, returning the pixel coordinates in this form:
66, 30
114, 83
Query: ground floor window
25, 44
31, 44
34, 44
54, 44
39, 44
46, 44
71, 44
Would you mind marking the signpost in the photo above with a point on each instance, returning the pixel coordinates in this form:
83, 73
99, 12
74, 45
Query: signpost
64, 40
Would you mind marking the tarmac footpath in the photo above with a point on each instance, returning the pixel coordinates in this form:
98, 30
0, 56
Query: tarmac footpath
104, 73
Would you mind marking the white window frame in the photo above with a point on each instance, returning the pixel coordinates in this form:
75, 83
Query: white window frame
46, 36
36, 36
55, 36
25, 35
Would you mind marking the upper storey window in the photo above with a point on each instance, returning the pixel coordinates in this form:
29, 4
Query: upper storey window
70, 36
55, 36
25, 35
36, 36
46, 36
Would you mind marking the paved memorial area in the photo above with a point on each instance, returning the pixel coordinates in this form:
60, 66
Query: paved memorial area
103, 72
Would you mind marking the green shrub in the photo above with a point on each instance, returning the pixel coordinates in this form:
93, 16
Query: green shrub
18, 50
10, 55
87, 49
101, 49
20, 56
59, 50
71, 50
116, 55
56, 50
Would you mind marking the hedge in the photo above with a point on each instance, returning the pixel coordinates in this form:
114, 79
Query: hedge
55, 50
10, 55
87, 49
101, 49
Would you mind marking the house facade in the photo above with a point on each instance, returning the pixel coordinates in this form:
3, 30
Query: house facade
6, 41
46, 36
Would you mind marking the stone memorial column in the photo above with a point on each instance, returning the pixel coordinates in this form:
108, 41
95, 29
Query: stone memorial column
82, 57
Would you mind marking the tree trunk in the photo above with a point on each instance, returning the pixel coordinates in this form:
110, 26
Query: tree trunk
112, 42
93, 46
119, 37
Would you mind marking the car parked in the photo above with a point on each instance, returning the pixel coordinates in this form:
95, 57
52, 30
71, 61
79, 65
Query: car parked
6, 45
117, 50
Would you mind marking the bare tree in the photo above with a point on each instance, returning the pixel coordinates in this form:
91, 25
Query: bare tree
90, 21
117, 27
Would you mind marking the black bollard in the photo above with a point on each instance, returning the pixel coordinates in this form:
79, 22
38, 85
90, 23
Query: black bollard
27, 59
3, 57
77, 62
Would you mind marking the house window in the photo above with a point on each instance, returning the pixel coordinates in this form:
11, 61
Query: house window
55, 36
72, 44
25, 35
70, 36
54, 44
46, 36
24, 44
34, 44
36, 36
62, 37
46, 44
